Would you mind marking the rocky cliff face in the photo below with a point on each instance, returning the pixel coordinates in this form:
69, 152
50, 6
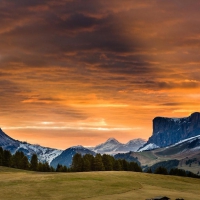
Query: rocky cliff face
168, 131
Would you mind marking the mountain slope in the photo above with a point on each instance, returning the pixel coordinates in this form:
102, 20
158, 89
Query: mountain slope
65, 158
186, 152
44, 154
132, 145
109, 146
55, 156
112, 146
8, 143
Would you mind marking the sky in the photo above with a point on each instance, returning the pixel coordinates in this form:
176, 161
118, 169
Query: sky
81, 71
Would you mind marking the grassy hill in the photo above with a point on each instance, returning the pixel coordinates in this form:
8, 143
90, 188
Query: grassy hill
18, 184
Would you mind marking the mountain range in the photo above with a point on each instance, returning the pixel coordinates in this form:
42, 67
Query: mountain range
174, 142
56, 156
113, 146
45, 154
185, 155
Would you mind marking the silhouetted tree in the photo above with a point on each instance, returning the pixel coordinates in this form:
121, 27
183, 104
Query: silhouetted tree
124, 165
117, 165
34, 162
1, 156
149, 171
133, 166
86, 165
98, 163
161, 170
20, 161
7, 158
77, 163
107, 162
177, 172
59, 168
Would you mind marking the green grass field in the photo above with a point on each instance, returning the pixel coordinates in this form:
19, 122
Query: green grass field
18, 184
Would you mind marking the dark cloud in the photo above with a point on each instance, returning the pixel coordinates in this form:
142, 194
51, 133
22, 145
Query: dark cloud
73, 60
79, 21
171, 85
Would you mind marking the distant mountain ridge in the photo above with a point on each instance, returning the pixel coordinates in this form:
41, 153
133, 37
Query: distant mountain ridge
113, 146
55, 156
45, 154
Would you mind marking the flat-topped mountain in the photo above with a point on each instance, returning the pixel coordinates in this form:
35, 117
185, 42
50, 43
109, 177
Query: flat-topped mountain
168, 131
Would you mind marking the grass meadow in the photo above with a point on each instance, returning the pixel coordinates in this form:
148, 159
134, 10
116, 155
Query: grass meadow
19, 185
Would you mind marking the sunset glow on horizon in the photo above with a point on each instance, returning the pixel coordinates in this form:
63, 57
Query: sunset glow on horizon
80, 72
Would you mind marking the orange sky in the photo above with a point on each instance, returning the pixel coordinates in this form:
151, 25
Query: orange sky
79, 72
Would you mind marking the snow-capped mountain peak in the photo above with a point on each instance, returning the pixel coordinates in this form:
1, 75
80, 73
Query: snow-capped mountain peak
44, 154
113, 146
137, 141
78, 147
110, 145
112, 140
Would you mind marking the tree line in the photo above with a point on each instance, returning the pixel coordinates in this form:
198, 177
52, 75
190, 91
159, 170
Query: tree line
173, 172
79, 163
103, 162
83, 163
20, 161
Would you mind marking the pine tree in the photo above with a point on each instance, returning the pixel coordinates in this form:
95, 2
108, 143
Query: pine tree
59, 168
133, 166
149, 171
17, 160
34, 162
65, 169
124, 165
77, 163
117, 165
86, 165
1, 156
7, 158
90, 158
177, 172
46, 167
98, 163
161, 170
107, 162
25, 163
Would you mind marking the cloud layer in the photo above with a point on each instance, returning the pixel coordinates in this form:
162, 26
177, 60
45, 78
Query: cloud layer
88, 61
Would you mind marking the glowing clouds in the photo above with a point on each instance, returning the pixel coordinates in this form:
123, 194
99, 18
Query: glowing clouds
95, 69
